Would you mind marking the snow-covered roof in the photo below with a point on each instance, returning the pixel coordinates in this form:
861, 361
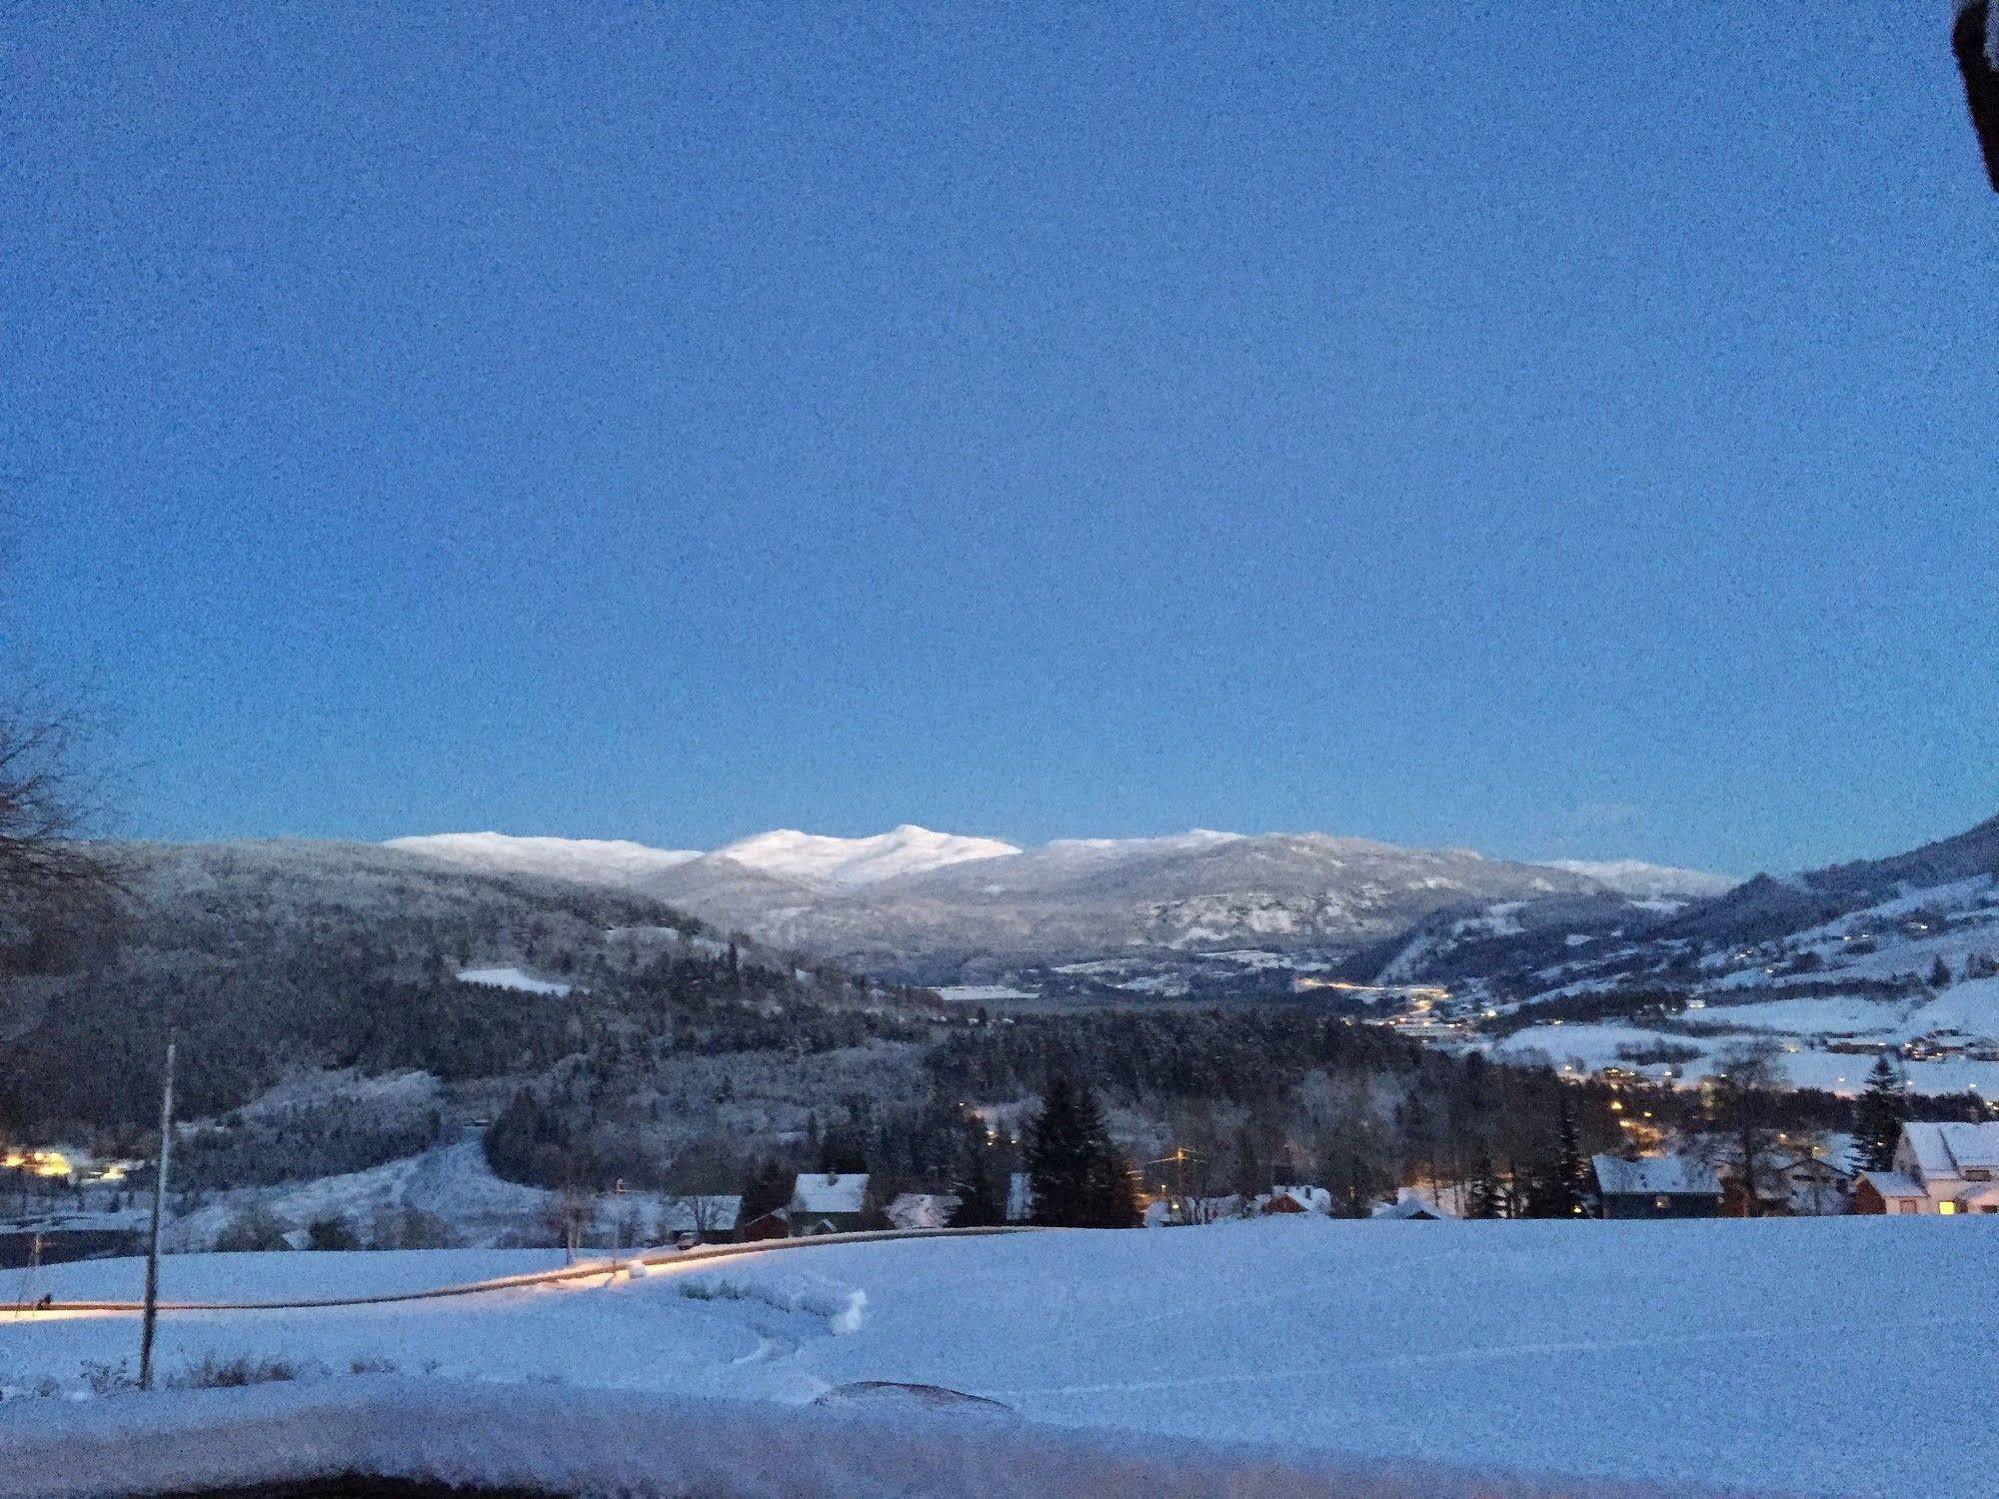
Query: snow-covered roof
829, 1192
1892, 1184
1311, 1199
1655, 1176
1409, 1207
1947, 1149
922, 1210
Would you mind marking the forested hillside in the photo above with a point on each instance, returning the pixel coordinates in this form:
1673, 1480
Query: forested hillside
273, 958
321, 996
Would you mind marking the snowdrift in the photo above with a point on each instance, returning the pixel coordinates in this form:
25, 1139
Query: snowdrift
566, 1441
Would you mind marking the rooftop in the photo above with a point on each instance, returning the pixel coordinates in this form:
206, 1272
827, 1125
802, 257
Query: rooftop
1947, 1149
1656, 1176
829, 1192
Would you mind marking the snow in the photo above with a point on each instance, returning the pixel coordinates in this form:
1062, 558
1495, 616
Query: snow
980, 993
1892, 1184
922, 1209
830, 1192
412, 1089
1295, 1335
1948, 1150
1835, 1015
602, 861
1971, 1007
1670, 1176
1311, 1199
1112, 850
511, 978
1636, 877
848, 863
861, 1442
450, 1182
1583, 1048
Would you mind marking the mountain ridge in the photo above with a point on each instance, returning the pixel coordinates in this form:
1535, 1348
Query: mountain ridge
917, 902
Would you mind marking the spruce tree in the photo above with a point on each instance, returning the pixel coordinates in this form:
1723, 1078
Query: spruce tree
1079, 1178
981, 1186
767, 1187
1057, 1157
1884, 1104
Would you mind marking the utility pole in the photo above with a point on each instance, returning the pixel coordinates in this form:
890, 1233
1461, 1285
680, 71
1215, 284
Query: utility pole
159, 1207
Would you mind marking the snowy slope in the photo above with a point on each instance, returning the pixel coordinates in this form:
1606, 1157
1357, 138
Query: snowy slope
1589, 1348
1636, 877
596, 861
512, 978
935, 906
847, 863
451, 1183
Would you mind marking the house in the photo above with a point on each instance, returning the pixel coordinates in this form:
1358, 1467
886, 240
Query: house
1282, 1200
1938, 1168
1409, 1210
1790, 1186
1814, 1188
922, 1210
775, 1224
1667, 1186
699, 1218
1222, 1209
830, 1202
1880, 1192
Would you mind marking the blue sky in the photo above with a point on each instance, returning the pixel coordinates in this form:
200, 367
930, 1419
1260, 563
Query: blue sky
1563, 429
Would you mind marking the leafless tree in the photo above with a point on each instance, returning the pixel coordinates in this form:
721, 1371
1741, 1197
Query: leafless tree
56, 893
681, 1212
1743, 1106
45, 801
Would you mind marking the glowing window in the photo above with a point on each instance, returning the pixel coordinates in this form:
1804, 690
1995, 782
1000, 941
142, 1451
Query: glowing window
1946, 1207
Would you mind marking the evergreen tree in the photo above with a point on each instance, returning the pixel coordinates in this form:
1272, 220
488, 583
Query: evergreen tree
1884, 1104
981, 1185
767, 1187
1079, 1178
1940, 974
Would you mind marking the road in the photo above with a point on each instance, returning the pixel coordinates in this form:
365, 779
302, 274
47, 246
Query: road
604, 1269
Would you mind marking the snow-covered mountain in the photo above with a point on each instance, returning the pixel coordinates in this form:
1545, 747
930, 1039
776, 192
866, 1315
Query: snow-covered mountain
1901, 952
1636, 877
848, 863
939, 905
592, 861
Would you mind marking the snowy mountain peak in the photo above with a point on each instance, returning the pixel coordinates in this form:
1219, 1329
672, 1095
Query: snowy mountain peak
1637, 878
848, 863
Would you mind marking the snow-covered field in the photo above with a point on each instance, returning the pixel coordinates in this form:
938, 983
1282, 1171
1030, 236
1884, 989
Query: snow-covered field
1580, 1048
1780, 1355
